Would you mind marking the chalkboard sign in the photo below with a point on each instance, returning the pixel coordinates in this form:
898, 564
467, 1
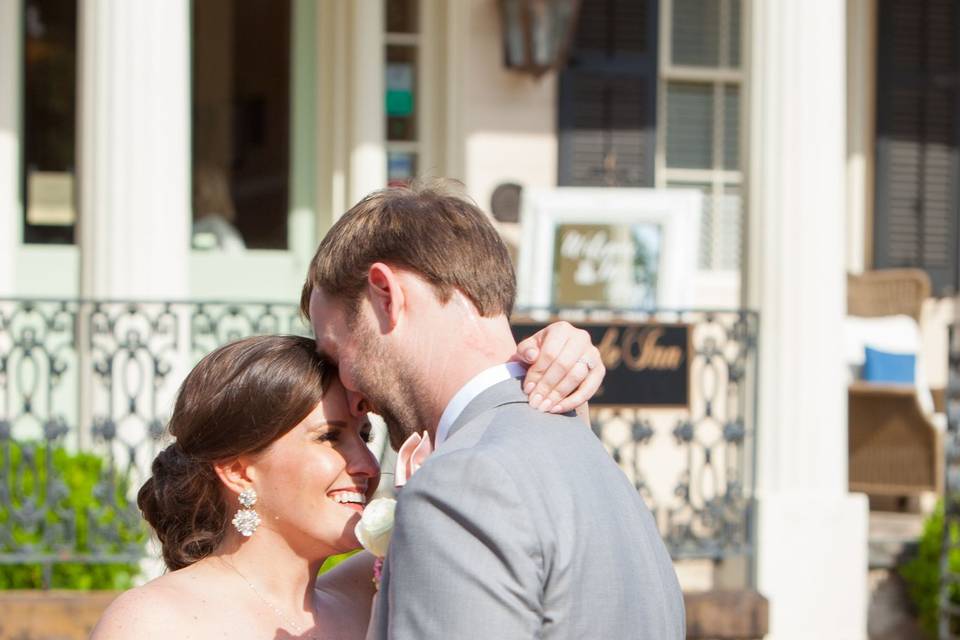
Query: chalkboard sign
648, 364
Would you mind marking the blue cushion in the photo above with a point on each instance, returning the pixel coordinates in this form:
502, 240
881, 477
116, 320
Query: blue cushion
880, 366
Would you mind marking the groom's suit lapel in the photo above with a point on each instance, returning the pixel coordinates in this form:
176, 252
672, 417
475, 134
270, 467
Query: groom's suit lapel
503, 393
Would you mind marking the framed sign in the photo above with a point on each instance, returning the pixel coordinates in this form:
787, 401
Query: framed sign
609, 247
648, 364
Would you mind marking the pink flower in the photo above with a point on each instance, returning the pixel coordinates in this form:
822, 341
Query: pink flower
377, 573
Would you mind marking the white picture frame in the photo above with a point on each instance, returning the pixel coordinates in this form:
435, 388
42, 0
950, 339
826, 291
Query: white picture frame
667, 220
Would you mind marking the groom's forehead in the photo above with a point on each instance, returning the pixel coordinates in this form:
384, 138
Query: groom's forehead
326, 348
325, 310
329, 326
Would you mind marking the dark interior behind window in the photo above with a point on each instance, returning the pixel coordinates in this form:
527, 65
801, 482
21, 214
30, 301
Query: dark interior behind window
49, 121
241, 123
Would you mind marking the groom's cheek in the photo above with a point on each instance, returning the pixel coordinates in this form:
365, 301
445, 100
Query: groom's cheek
396, 434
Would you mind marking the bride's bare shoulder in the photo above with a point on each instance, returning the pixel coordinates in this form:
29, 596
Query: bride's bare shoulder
159, 609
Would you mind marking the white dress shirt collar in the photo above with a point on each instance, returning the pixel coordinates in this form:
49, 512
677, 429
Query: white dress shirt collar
477, 385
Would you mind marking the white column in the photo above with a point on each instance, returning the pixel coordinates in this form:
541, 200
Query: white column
368, 156
332, 142
10, 94
811, 533
134, 139
302, 234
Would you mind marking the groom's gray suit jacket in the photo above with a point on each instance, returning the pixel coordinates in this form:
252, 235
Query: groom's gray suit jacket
521, 526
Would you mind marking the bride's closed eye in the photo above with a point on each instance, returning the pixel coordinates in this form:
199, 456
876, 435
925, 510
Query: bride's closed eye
332, 433
329, 436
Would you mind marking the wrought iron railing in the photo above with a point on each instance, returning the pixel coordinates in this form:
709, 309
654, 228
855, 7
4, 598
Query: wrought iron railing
85, 387
694, 465
94, 381
949, 623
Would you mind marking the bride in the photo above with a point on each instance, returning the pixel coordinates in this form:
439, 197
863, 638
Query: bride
268, 476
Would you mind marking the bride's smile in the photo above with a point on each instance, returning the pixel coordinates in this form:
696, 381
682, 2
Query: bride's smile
314, 481
355, 499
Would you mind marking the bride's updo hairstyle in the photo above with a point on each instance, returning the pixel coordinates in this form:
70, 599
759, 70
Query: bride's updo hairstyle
237, 400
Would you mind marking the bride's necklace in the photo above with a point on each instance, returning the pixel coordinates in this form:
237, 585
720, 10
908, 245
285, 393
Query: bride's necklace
297, 629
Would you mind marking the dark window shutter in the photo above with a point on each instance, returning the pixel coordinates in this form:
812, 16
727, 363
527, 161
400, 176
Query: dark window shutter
918, 72
607, 96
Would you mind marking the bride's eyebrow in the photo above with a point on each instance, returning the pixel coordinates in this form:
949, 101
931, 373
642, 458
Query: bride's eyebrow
329, 424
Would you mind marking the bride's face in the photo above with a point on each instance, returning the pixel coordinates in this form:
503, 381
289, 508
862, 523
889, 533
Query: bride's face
313, 482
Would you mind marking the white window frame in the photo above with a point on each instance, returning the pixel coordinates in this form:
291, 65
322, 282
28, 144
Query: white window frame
428, 42
719, 77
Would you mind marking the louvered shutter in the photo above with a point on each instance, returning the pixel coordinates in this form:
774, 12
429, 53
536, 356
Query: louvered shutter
607, 96
918, 68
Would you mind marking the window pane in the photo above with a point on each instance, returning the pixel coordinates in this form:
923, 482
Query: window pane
689, 125
721, 224
241, 123
729, 230
50, 79
401, 86
696, 32
733, 38
705, 248
731, 127
401, 167
402, 16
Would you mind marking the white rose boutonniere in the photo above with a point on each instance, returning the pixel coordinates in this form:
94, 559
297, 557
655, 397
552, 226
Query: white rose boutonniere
376, 525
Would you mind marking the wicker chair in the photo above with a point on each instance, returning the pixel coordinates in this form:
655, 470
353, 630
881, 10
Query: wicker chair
894, 449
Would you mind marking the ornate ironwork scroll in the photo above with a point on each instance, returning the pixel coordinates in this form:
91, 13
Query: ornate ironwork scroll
693, 464
85, 390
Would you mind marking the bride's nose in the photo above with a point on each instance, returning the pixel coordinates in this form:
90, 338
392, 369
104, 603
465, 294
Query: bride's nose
362, 463
358, 404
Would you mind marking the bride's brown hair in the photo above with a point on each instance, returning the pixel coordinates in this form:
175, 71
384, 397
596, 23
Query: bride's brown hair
237, 400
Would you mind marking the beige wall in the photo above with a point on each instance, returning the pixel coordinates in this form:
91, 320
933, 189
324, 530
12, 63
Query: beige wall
937, 315
508, 119
861, 56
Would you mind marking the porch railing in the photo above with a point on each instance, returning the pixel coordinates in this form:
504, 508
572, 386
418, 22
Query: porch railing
949, 623
94, 381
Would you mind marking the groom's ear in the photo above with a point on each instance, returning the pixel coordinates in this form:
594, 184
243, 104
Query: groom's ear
386, 295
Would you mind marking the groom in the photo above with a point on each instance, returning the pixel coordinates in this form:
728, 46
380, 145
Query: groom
520, 525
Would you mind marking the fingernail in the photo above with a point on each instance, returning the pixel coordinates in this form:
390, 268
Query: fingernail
530, 354
536, 400
545, 406
527, 388
555, 409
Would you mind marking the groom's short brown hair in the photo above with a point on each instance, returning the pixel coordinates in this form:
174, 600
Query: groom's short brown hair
426, 228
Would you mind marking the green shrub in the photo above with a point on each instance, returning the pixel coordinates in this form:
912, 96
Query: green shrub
922, 573
333, 561
73, 523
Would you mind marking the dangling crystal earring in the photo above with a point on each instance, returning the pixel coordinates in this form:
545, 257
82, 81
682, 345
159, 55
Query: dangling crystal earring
246, 520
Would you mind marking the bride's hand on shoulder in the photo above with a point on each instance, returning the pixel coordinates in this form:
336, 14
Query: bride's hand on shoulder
565, 368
